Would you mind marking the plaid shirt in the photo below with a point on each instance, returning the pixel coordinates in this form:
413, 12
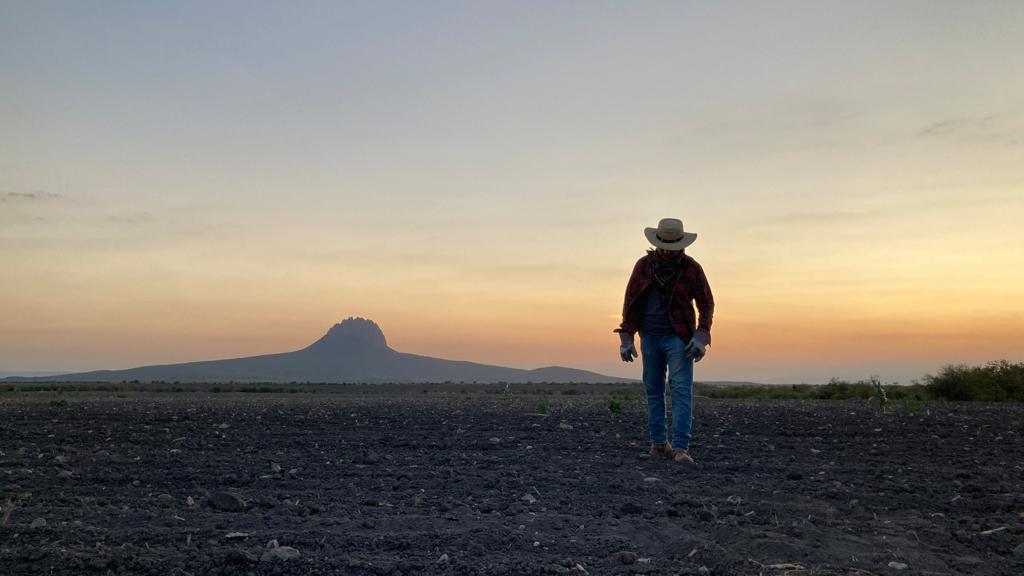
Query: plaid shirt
692, 286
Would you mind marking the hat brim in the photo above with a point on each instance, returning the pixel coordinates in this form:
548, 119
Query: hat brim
652, 237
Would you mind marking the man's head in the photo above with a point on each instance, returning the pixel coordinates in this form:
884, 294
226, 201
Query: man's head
669, 235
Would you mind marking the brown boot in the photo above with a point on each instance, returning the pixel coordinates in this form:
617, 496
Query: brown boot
682, 455
660, 450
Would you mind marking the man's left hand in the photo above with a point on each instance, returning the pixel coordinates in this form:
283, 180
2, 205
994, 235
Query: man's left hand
696, 348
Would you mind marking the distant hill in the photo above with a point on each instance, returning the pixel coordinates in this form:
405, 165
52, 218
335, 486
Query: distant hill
354, 350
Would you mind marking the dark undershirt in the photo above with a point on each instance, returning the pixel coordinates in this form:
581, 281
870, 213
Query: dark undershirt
656, 321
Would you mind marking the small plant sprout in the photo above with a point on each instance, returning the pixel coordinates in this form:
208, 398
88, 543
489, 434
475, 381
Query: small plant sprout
542, 405
879, 394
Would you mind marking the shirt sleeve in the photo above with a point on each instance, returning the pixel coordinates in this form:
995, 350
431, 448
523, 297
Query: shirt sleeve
627, 326
705, 303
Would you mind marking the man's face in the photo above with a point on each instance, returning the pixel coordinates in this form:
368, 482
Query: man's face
666, 254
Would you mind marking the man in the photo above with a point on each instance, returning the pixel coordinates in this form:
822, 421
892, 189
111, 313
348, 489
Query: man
662, 289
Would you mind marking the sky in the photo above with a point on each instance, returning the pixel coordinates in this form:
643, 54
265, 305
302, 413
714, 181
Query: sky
201, 180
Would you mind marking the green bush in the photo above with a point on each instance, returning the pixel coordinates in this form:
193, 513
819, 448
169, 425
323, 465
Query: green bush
993, 382
911, 405
615, 406
542, 405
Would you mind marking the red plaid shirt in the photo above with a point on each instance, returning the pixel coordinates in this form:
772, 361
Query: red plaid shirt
692, 286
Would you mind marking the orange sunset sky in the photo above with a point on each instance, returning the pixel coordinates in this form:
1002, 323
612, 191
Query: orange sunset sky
194, 181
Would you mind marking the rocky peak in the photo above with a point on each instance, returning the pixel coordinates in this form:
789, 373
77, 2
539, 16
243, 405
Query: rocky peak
353, 333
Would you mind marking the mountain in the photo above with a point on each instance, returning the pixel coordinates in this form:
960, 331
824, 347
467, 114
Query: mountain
354, 350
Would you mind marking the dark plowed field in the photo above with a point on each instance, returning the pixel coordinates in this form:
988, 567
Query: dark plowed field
414, 482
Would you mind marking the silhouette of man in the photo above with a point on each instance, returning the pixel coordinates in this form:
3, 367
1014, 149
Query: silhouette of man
660, 295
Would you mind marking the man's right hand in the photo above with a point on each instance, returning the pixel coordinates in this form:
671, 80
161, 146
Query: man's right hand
627, 351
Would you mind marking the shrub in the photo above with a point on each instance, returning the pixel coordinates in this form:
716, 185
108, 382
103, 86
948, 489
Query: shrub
615, 406
993, 382
542, 405
911, 405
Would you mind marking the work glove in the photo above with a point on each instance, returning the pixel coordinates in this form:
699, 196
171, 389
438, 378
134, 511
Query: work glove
696, 347
627, 351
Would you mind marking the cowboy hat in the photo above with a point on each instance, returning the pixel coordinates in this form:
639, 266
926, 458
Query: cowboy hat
669, 235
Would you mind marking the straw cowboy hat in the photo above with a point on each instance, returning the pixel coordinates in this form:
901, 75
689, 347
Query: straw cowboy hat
669, 235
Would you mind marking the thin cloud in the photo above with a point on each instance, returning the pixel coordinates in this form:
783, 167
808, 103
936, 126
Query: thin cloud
990, 128
28, 196
129, 220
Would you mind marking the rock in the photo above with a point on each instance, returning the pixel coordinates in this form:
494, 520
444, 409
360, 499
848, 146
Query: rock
626, 557
165, 500
703, 570
495, 440
238, 556
275, 468
1019, 550
38, 523
275, 552
897, 565
227, 502
631, 508
528, 498
442, 559
794, 475
650, 479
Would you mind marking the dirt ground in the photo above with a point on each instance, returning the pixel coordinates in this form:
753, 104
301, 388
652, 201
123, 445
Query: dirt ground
417, 481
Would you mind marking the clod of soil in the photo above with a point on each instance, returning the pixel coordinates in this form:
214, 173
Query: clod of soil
227, 502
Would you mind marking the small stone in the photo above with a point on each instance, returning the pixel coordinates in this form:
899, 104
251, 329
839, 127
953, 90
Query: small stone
794, 475
442, 559
237, 556
1019, 550
495, 440
275, 551
227, 502
38, 523
897, 565
626, 557
703, 570
650, 479
280, 553
165, 500
275, 468
224, 426
528, 498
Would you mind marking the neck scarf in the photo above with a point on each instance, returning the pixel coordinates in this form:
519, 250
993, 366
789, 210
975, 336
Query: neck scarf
666, 271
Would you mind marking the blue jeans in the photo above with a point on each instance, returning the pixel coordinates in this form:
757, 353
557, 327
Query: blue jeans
661, 353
